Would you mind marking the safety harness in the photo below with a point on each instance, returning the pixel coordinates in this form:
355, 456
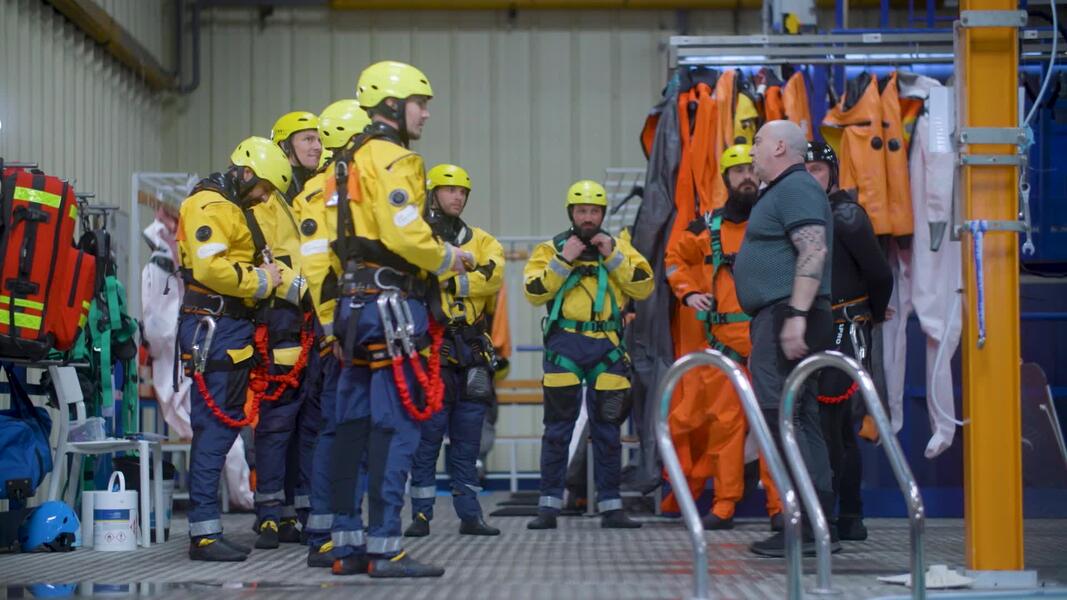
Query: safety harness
712, 316
613, 323
851, 314
202, 301
373, 270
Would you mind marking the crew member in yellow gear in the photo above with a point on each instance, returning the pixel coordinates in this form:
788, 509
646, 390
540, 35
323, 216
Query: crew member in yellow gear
226, 277
391, 263
466, 360
338, 124
297, 134
708, 425
584, 276
286, 427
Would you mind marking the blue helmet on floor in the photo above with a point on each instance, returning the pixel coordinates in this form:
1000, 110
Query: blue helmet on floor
52, 526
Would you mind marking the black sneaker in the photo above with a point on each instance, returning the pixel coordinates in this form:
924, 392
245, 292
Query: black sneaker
420, 527
774, 546
268, 535
402, 565
617, 519
777, 522
851, 529
213, 550
713, 522
543, 521
319, 558
288, 532
355, 564
477, 527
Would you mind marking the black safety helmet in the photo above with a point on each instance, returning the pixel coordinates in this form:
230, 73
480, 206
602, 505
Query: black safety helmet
823, 152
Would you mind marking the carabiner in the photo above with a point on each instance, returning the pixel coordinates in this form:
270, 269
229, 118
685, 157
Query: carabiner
201, 349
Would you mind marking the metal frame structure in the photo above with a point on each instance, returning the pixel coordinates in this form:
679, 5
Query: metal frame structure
897, 461
833, 48
680, 486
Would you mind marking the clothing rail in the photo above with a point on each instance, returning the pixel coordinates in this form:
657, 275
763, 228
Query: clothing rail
680, 487
899, 464
836, 48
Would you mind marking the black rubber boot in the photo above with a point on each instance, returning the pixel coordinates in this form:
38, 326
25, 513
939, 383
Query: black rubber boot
713, 522
617, 519
213, 550
774, 546
402, 565
851, 528
543, 521
319, 558
288, 532
777, 522
420, 527
477, 527
232, 544
355, 564
268, 535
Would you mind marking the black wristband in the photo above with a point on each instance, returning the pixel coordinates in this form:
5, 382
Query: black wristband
792, 311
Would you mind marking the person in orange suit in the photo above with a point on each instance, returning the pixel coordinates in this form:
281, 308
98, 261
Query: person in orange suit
707, 422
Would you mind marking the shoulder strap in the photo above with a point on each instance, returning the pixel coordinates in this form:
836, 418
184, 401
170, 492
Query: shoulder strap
715, 229
258, 239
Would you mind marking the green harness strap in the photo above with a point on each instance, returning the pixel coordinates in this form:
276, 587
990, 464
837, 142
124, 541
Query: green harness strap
613, 323
712, 316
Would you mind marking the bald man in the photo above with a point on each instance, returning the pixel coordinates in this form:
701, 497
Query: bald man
782, 274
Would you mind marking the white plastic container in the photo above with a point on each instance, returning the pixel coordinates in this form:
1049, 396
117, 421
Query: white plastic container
115, 521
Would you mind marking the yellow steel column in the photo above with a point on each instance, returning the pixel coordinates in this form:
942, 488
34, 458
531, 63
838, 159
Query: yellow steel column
991, 395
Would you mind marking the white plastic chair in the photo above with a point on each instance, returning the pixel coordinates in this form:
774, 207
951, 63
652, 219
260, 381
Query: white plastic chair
69, 393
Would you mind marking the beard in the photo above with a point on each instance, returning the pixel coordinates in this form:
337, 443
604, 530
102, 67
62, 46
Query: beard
586, 231
740, 201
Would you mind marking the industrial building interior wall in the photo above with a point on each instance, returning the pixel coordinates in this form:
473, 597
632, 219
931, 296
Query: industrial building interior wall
69, 106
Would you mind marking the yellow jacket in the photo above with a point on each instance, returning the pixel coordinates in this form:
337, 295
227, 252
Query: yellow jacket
386, 193
629, 277
215, 245
466, 296
279, 227
317, 217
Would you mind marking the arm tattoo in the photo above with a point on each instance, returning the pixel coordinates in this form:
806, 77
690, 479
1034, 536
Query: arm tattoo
810, 242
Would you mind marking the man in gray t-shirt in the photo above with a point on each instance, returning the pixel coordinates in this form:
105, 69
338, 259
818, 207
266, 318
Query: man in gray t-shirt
782, 275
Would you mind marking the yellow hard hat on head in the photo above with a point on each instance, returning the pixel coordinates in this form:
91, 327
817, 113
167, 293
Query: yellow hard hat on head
587, 191
290, 123
266, 160
741, 154
390, 79
340, 121
446, 174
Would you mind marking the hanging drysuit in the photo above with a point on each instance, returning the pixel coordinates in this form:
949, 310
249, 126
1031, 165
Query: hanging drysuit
786, 101
854, 128
927, 280
898, 188
708, 427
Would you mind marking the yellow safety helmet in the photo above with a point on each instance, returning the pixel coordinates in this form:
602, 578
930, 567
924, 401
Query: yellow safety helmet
446, 174
290, 123
587, 191
340, 121
741, 154
325, 157
266, 160
746, 118
390, 79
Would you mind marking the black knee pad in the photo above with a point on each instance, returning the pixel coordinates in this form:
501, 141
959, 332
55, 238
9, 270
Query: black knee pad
479, 384
562, 403
348, 448
613, 406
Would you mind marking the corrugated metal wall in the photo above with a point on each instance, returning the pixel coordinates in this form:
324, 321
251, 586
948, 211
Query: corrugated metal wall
67, 105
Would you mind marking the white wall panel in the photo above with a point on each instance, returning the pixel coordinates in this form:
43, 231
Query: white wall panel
67, 105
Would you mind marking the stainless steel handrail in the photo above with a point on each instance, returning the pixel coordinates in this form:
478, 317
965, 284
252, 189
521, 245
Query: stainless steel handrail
680, 486
888, 439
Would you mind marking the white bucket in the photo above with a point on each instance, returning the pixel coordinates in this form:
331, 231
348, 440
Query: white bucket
168, 509
115, 522
87, 519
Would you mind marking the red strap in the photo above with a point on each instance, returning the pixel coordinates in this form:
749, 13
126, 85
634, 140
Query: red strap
852, 389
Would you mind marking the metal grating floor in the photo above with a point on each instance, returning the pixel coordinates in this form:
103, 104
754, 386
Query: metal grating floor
579, 560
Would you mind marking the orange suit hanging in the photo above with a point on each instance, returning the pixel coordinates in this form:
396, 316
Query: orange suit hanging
898, 187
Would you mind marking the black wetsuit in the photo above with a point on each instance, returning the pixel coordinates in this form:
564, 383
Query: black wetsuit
862, 284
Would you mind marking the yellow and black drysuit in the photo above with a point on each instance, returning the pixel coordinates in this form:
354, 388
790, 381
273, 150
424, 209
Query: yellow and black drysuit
583, 350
